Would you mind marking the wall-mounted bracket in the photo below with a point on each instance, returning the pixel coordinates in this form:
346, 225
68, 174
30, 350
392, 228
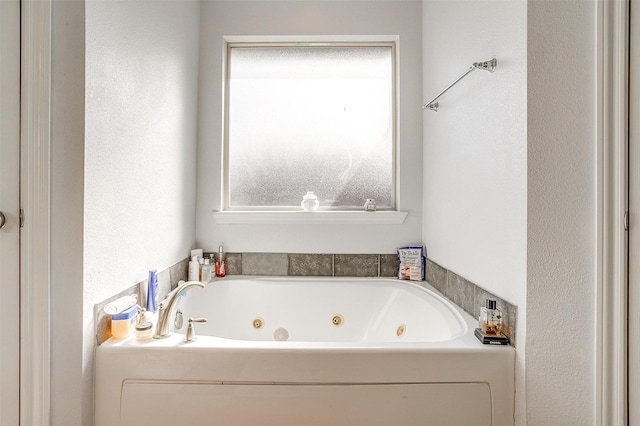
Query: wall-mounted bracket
490, 66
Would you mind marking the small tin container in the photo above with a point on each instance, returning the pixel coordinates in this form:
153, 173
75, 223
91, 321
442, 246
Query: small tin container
144, 331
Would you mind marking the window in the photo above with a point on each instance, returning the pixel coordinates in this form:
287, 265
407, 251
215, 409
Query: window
309, 117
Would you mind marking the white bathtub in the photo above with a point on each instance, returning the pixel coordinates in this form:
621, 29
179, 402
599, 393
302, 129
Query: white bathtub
309, 351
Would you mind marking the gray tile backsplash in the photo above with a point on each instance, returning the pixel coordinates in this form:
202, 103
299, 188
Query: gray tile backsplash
436, 275
275, 264
178, 271
312, 265
459, 290
234, 264
355, 265
469, 296
389, 265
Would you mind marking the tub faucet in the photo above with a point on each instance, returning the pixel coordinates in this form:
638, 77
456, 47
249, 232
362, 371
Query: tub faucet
163, 328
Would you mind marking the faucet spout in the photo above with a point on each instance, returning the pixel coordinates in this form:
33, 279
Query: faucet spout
165, 308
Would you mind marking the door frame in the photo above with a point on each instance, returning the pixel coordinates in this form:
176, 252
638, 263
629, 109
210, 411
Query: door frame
35, 351
612, 69
634, 211
611, 203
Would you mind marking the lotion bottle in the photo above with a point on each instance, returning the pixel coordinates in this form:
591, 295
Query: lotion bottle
194, 269
152, 291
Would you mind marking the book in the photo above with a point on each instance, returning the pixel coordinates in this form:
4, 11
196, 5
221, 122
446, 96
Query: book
487, 339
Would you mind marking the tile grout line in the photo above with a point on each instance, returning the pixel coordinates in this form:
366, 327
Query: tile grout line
333, 265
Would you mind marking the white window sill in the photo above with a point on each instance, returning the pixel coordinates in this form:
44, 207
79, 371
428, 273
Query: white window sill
305, 218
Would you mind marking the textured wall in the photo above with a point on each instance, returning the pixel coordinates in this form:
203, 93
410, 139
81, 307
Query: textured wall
561, 242
475, 183
331, 18
141, 110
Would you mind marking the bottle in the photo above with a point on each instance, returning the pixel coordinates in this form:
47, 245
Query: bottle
152, 291
490, 319
194, 269
310, 202
206, 271
221, 263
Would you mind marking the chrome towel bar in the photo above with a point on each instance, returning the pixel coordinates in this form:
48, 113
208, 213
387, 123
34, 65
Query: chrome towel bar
486, 65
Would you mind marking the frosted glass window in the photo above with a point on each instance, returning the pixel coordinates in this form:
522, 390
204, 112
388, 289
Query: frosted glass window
310, 118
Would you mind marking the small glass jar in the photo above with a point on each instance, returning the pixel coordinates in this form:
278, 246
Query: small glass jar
490, 319
144, 331
310, 202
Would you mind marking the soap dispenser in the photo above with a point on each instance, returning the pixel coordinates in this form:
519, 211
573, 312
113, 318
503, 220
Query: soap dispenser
490, 319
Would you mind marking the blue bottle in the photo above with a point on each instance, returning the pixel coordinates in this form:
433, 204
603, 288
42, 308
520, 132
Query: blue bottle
152, 291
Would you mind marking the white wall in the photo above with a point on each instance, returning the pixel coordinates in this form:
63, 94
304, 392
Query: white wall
475, 158
140, 146
220, 18
561, 243
522, 220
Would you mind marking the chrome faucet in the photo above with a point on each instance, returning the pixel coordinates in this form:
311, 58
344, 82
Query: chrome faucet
163, 328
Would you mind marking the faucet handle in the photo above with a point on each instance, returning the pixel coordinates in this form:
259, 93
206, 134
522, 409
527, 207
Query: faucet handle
191, 331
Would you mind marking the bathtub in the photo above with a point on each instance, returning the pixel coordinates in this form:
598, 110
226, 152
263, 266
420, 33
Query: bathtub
309, 351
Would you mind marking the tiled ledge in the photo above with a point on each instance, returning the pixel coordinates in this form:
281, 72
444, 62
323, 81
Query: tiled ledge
469, 296
167, 279
313, 265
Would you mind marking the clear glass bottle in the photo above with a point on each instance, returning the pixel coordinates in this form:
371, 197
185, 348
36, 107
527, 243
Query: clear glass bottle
490, 319
206, 271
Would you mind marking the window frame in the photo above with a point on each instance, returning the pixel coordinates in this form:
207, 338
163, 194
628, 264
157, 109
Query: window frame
252, 42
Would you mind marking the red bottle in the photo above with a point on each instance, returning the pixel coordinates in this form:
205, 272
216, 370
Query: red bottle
221, 264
